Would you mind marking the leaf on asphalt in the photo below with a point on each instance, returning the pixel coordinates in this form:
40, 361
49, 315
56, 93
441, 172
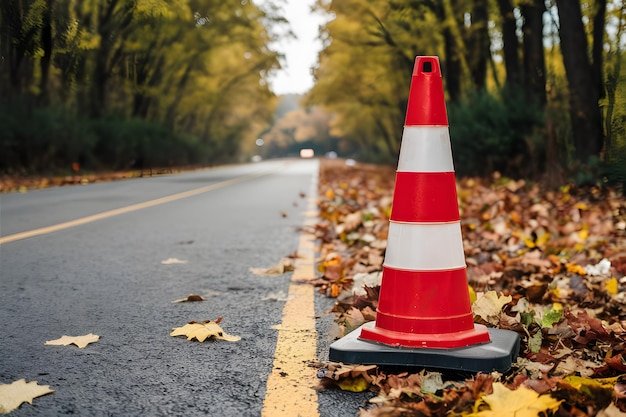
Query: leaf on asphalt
173, 261
354, 378
203, 331
189, 298
80, 341
356, 384
277, 296
284, 265
14, 394
489, 306
522, 402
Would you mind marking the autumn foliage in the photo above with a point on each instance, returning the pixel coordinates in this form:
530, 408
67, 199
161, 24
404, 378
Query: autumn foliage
549, 264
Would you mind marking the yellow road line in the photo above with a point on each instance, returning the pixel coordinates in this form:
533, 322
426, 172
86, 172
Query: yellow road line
128, 209
290, 386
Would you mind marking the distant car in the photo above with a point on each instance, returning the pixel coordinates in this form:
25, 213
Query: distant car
307, 153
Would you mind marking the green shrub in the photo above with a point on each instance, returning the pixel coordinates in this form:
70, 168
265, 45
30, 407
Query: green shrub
490, 133
45, 140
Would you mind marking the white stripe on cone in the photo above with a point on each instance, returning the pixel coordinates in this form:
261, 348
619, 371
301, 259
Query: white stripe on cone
425, 246
425, 149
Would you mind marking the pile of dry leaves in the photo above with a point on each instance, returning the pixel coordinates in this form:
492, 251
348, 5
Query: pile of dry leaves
547, 264
23, 183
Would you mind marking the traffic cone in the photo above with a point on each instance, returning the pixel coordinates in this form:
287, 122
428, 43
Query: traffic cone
424, 315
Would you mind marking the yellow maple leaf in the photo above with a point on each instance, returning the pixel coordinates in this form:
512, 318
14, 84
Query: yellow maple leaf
80, 341
522, 402
489, 306
14, 394
203, 331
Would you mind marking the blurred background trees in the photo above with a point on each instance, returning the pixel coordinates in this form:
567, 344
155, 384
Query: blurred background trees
534, 88
115, 84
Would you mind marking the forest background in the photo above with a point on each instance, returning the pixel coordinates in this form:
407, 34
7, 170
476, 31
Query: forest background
534, 88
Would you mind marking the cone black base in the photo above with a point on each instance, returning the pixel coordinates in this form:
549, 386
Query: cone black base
497, 355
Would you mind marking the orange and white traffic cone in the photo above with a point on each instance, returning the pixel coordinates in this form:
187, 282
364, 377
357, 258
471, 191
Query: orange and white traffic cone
424, 315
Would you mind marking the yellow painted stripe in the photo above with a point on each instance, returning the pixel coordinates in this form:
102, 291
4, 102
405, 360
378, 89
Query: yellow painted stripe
128, 209
290, 386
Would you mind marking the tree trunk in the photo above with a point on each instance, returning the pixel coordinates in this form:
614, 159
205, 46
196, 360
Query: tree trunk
46, 46
452, 66
455, 66
598, 40
13, 42
534, 59
510, 44
479, 44
612, 81
583, 91
112, 25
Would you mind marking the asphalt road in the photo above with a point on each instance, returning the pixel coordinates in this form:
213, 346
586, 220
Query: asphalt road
104, 276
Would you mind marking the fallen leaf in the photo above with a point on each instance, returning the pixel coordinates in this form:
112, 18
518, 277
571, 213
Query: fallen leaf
522, 402
80, 341
172, 261
549, 316
189, 298
353, 319
489, 306
354, 378
617, 362
611, 411
601, 268
572, 365
612, 287
535, 341
432, 382
277, 296
284, 265
203, 331
357, 384
14, 394
350, 222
